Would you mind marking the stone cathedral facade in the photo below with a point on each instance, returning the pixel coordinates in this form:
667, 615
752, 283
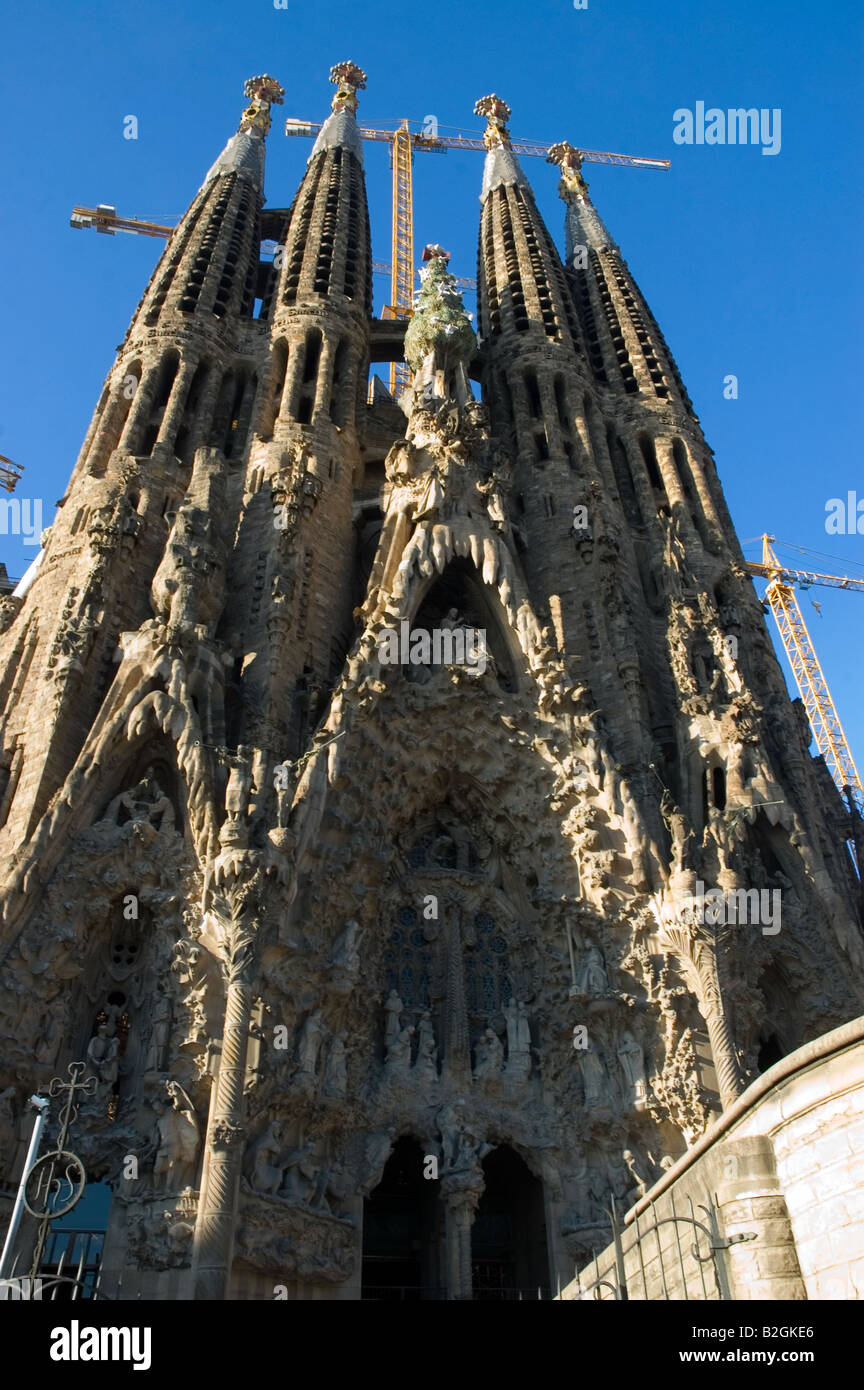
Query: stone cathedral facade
382, 966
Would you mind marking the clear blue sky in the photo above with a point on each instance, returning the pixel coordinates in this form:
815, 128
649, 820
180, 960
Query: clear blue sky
751, 263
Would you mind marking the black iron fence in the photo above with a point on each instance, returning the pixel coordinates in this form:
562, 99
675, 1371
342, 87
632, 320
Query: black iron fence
663, 1255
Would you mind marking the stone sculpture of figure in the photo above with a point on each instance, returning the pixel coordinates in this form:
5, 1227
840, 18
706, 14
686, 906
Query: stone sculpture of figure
639, 1182
195, 1003
680, 833
523, 1031
426, 1064
392, 1024
450, 1122
267, 1168
160, 1034
345, 953
179, 1138
239, 786
399, 1052
493, 490
592, 978
461, 1149
594, 1079
102, 1054
518, 1039
310, 1042
632, 1061
489, 1055
146, 806
335, 1070
300, 1174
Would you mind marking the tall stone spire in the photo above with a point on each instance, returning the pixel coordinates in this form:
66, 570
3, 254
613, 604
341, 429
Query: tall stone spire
520, 282
326, 252
306, 447
625, 344
175, 411
244, 152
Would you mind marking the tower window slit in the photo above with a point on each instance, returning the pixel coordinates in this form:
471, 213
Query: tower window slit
646, 444
533, 391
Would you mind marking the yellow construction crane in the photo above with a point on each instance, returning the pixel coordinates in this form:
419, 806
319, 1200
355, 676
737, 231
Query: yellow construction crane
104, 218
821, 711
403, 143
463, 281
9, 473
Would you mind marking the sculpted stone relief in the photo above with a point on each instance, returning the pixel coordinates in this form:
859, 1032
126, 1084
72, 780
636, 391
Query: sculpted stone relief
454, 916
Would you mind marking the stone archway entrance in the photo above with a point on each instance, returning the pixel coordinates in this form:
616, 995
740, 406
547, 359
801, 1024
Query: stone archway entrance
401, 1231
509, 1254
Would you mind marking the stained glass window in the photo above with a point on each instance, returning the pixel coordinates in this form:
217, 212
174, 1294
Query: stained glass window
408, 960
487, 971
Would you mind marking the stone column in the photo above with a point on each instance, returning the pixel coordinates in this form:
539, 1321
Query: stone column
641, 482
176, 403
700, 483
220, 1179
457, 1054
698, 949
675, 488
460, 1204
202, 423
324, 384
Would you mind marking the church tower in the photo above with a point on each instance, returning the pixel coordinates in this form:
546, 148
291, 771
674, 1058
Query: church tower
372, 774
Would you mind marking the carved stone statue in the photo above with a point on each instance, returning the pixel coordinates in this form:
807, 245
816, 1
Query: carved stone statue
310, 1042
392, 1022
335, 1070
300, 1174
594, 1078
518, 1039
179, 1139
679, 831
146, 806
489, 1055
160, 1034
239, 786
426, 1063
399, 1052
346, 956
267, 1168
102, 1054
632, 1061
461, 1150
592, 977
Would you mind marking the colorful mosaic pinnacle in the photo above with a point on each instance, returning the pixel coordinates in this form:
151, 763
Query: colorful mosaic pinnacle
497, 114
570, 160
349, 80
261, 92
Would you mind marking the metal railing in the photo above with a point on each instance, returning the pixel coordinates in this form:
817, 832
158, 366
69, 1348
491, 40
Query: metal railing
72, 1264
670, 1272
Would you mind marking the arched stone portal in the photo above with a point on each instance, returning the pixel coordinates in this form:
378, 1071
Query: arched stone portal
509, 1253
401, 1235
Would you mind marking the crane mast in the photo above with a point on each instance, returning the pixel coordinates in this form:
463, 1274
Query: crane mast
809, 677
